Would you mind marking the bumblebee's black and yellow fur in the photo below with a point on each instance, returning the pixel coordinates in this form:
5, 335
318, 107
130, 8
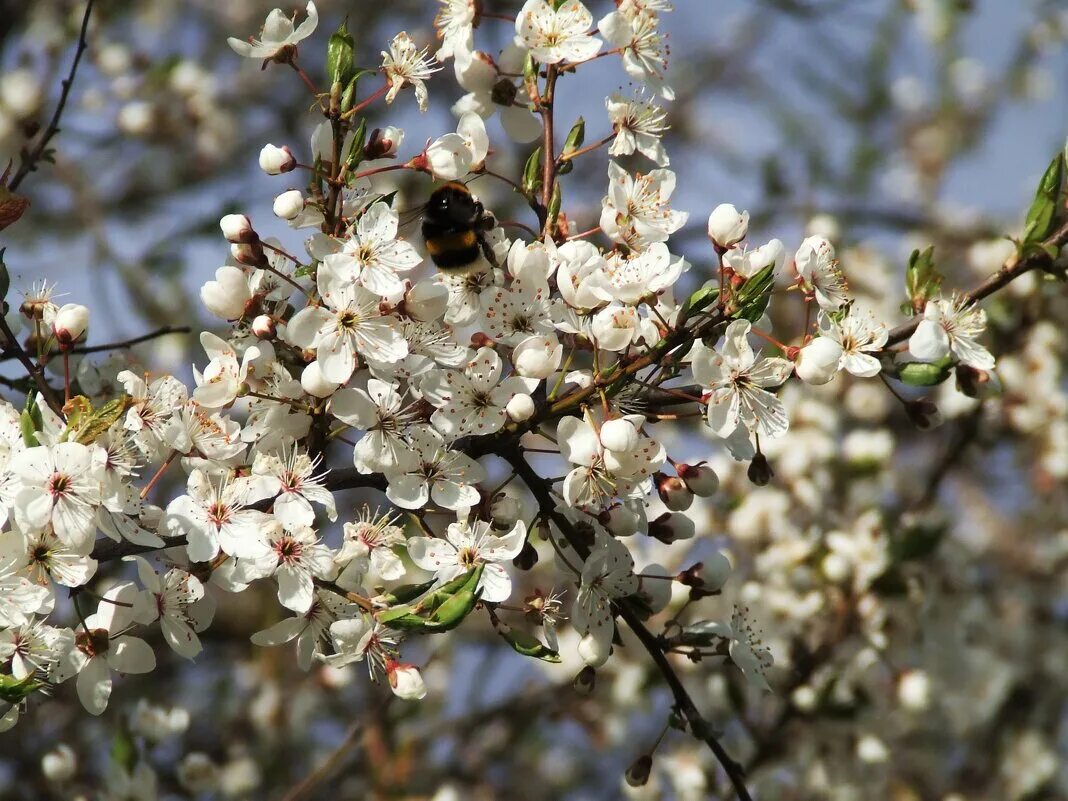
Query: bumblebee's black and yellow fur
454, 228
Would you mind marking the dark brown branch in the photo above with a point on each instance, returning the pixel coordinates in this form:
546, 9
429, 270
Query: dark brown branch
15, 350
699, 727
31, 158
127, 343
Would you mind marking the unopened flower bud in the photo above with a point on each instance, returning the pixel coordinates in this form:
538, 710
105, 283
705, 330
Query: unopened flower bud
593, 652
970, 381
249, 254
227, 296
505, 509
288, 204
914, 690
69, 324
264, 327
760, 472
537, 357
673, 492
520, 408
405, 681
312, 382
60, 764
620, 520
700, 478
671, 527
619, 435
276, 160
586, 680
924, 414
237, 228
727, 226
426, 301
637, 774
383, 143
527, 558
817, 363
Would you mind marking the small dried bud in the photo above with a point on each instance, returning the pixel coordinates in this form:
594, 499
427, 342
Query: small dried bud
760, 472
924, 414
586, 680
527, 558
971, 381
504, 92
638, 773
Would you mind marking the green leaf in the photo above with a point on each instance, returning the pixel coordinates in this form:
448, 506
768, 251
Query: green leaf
529, 645
355, 154
555, 201
452, 613
30, 421
402, 618
1043, 212
575, 137
752, 297
701, 299
532, 172
15, 691
922, 279
406, 593
339, 54
925, 374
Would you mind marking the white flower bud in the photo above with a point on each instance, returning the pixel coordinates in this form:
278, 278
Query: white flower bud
60, 764
426, 301
836, 567
384, 142
405, 681
914, 690
288, 204
312, 382
520, 407
276, 160
226, 296
655, 586
264, 327
817, 362
505, 509
69, 324
674, 493
249, 254
20, 93
872, 750
593, 653
620, 520
238, 228
727, 226
671, 527
700, 478
537, 357
197, 773
136, 117
619, 435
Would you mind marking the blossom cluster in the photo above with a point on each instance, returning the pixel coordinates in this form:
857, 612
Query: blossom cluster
356, 364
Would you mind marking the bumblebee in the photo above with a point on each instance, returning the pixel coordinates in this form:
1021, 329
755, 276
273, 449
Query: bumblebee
455, 224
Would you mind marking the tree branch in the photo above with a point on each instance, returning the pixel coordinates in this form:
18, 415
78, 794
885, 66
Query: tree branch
699, 727
30, 159
1037, 259
14, 349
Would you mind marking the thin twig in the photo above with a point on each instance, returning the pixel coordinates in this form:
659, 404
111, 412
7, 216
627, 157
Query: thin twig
30, 159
